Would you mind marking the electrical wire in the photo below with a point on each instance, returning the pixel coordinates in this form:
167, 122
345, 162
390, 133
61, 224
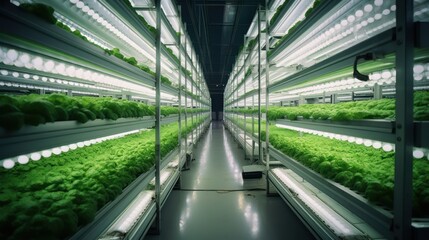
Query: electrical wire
221, 190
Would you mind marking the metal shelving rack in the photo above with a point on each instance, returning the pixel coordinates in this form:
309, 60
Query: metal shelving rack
243, 90
26, 33
284, 76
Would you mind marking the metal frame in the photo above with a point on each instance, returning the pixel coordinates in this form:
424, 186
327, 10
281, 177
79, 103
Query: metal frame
381, 43
179, 44
324, 7
376, 217
245, 104
267, 99
57, 134
404, 132
402, 206
261, 157
316, 227
18, 23
157, 224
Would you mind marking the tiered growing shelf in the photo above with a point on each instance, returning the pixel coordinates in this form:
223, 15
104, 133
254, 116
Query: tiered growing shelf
102, 49
330, 52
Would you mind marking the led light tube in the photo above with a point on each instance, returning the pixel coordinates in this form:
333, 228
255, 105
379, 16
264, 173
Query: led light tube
174, 163
165, 174
384, 77
130, 216
387, 147
332, 219
334, 34
36, 156
331, 31
41, 79
294, 14
31, 61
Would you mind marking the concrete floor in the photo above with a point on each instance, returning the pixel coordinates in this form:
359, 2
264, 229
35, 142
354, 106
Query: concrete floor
214, 202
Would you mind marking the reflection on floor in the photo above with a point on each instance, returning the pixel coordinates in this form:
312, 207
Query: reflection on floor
214, 202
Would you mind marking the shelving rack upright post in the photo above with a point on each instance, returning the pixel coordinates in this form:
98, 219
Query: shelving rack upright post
267, 100
157, 223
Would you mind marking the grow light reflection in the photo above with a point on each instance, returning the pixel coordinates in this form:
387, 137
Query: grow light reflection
8, 163
387, 147
418, 153
35, 156
378, 3
46, 153
329, 216
70, 70
130, 216
56, 151
65, 148
12, 55
23, 159
376, 144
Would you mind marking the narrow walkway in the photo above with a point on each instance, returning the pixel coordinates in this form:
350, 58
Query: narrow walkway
214, 202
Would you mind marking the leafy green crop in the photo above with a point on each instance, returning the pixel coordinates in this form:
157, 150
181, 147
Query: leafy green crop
53, 197
366, 170
33, 109
368, 109
169, 110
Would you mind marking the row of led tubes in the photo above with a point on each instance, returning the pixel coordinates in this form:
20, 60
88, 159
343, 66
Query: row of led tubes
294, 14
329, 34
36, 77
97, 42
9, 56
130, 216
341, 29
150, 17
350, 19
165, 174
384, 77
321, 210
20, 85
96, 17
250, 86
167, 5
418, 153
345, 84
103, 22
338, 32
84, 32
15, 74
36, 156
170, 13
85, 9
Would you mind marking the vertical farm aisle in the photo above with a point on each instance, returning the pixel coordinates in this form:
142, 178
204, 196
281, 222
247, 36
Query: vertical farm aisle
214, 202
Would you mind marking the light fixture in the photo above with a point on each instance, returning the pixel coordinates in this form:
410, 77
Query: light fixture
23, 159
317, 206
418, 153
35, 156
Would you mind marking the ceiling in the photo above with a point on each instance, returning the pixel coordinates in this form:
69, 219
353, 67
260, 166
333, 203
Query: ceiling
217, 29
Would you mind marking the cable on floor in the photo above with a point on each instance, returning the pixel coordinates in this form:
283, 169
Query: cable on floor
222, 190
